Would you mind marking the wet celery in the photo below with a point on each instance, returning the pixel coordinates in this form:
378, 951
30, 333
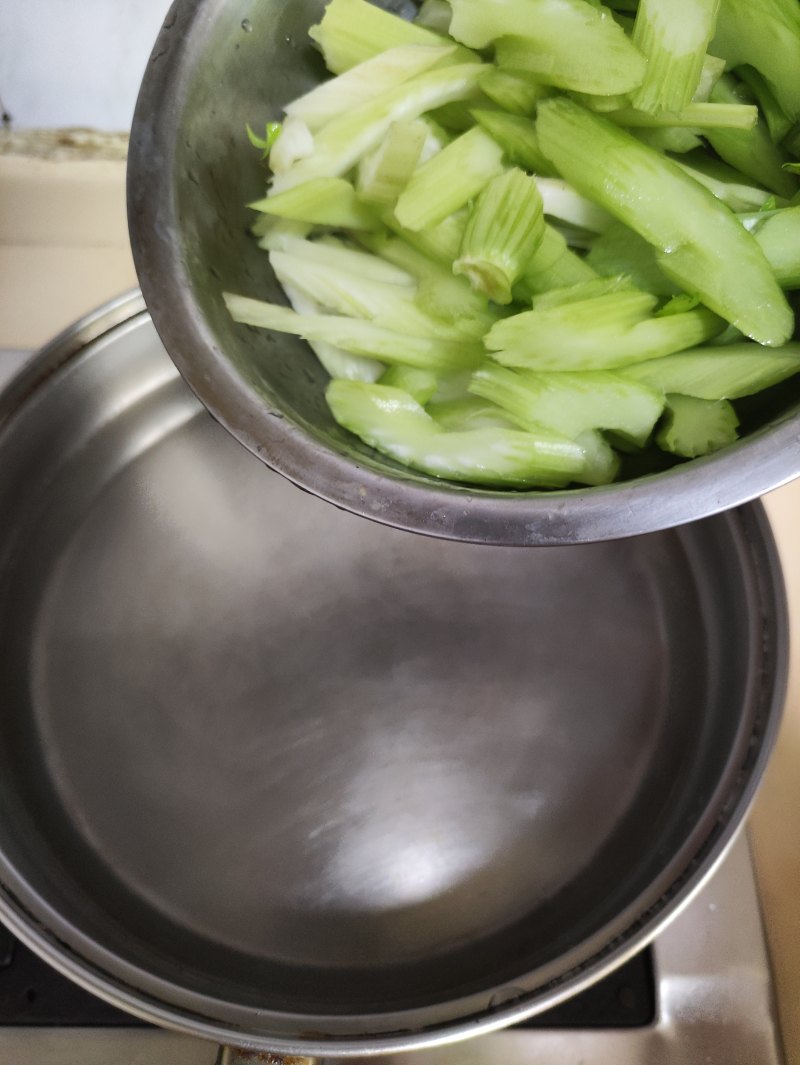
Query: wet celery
674, 38
695, 427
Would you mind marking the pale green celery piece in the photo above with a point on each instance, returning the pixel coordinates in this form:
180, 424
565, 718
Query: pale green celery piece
750, 151
731, 335
713, 69
275, 233
695, 427
356, 336
601, 464
338, 363
734, 189
730, 372
678, 305
352, 31
586, 290
517, 136
778, 233
294, 142
438, 138
621, 251
338, 255
457, 117
778, 122
449, 180
674, 38
393, 423
322, 202
601, 104
765, 35
598, 334
669, 139
469, 412
344, 140
710, 116
553, 266
374, 76
572, 403
701, 245
384, 173
562, 202
517, 94
505, 227
564, 43
441, 241
434, 15
421, 385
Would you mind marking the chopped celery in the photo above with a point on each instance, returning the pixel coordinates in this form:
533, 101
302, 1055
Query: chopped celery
711, 116
669, 139
562, 202
322, 201
695, 427
393, 422
384, 173
701, 245
505, 227
765, 35
295, 142
420, 384
602, 103
469, 412
517, 94
449, 180
553, 265
726, 183
778, 122
374, 76
356, 336
601, 464
674, 38
276, 233
585, 290
352, 31
713, 69
434, 15
344, 140
565, 43
334, 253
441, 241
778, 233
729, 372
750, 151
621, 251
572, 403
517, 137
337, 362
597, 334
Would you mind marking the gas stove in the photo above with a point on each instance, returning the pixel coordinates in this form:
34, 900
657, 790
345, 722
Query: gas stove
701, 995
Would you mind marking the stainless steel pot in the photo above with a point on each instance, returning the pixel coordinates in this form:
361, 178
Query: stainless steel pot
218, 64
277, 777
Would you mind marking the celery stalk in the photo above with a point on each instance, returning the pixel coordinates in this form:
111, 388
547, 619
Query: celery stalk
393, 422
621, 251
712, 71
384, 173
752, 152
354, 335
337, 255
344, 140
710, 116
572, 403
467, 412
674, 38
434, 15
276, 233
371, 78
563, 203
729, 372
321, 201
514, 93
584, 290
553, 266
566, 43
352, 31
517, 136
778, 233
695, 427
778, 122
726, 183
420, 384
505, 227
449, 180
701, 245
337, 362
669, 139
601, 464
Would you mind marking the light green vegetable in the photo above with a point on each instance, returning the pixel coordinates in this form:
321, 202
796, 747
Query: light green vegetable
335, 361
778, 122
435, 15
420, 384
322, 201
711, 116
553, 266
621, 251
695, 427
518, 138
516, 94
778, 233
464, 413
729, 372
674, 38
384, 173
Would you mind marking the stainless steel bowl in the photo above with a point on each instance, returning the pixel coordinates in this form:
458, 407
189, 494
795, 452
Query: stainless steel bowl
216, 65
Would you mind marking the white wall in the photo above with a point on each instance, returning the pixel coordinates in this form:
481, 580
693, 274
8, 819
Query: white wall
75, 62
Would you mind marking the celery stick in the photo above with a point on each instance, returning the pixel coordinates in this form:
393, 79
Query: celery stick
517, 137
711, 116
371, 78
434, 15
598, 334
765, 35
713, 69
778, 122
572, 403
294, 142
669, 139
384, 173
751, 151
695, 427
553, 266
601, 464
602, 104
337, 362
393, 422
517, 94
674, 38
701, 245
778, 233
562, 202
276, 233
585, 290
352, 31
449, 180
354, 335
469, 412
441, 241
621, 251
420, 384
344, 140
323, 202
726, 183
337, 255
505, 227
729, 372
565, 43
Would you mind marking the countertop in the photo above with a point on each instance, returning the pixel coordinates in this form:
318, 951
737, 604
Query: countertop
64, 251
